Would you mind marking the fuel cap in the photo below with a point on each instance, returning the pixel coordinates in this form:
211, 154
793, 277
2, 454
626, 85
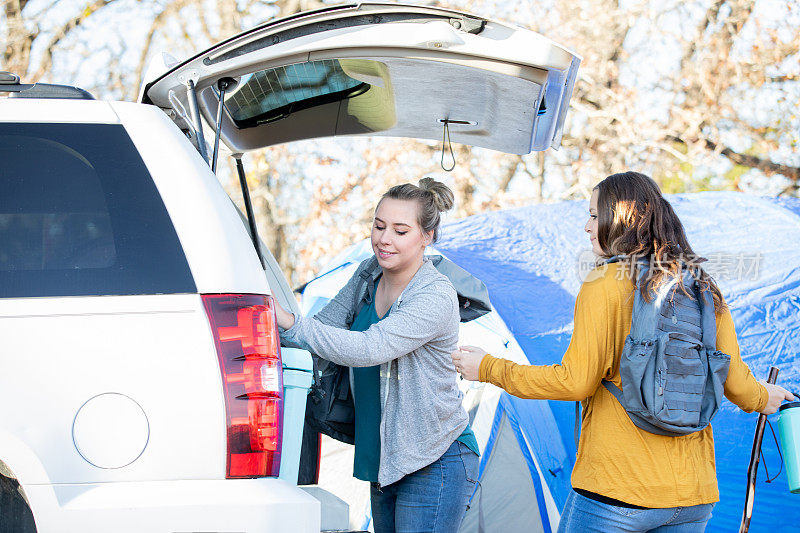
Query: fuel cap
110, 430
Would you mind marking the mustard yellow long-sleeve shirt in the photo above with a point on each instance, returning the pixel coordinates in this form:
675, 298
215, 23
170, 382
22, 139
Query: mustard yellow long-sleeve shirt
615, 458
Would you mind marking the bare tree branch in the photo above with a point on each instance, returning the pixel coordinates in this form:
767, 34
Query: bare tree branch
781, 79
347, 189
290, 7
511, 171
202, 17
158, 23
691, 44
44, 9
63, 31
229, 17
766, 166
19, 40
791, 190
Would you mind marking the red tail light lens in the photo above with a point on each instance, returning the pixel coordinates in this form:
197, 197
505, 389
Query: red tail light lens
246, 335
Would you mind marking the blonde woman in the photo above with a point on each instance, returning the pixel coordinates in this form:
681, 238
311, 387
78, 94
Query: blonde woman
412, 437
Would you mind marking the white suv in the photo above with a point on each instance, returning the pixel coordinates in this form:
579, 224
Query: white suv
143, 387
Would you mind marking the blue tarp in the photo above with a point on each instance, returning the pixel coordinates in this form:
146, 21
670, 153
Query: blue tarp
530, 259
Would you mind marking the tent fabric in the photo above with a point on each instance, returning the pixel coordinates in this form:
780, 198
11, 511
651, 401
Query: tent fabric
532, 258
508, 467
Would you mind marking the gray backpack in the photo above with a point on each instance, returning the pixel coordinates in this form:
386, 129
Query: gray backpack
672, 374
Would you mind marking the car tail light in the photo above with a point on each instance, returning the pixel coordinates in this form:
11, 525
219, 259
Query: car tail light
245, 331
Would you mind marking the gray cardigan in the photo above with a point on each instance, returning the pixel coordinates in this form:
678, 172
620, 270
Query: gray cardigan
421, 413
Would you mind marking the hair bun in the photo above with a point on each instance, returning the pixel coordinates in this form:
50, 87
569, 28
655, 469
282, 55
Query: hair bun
443, 198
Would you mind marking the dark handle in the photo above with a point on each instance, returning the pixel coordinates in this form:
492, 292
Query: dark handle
755, 453
773, 375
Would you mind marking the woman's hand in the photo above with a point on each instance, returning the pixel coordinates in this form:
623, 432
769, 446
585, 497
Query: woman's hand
468, 360
776, 395
285, 318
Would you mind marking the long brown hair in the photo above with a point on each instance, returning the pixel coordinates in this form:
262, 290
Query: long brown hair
635, 221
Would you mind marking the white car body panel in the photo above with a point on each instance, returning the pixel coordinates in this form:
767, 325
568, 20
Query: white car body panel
56, 111
221, 506
157, 350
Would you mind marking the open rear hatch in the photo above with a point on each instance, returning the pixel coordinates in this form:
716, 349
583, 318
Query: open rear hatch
375, 69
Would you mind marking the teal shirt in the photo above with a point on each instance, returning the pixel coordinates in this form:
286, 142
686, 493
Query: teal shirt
366, 381
468, 438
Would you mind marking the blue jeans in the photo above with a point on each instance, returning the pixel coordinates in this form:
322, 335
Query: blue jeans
430, 500
584, 515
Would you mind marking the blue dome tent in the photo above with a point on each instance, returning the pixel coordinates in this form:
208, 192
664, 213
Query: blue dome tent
531, 260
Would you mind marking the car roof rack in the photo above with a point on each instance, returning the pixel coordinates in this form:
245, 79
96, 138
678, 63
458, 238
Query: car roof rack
9, 83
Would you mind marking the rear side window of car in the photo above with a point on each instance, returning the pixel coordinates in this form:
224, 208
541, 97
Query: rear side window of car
80, 215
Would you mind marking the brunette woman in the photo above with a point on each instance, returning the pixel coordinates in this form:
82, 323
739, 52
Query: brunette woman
626, 478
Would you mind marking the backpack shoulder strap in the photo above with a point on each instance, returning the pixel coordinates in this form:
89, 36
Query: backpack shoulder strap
643, 266
613, 389
709, 315
644, 313
642, 319
358, 295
